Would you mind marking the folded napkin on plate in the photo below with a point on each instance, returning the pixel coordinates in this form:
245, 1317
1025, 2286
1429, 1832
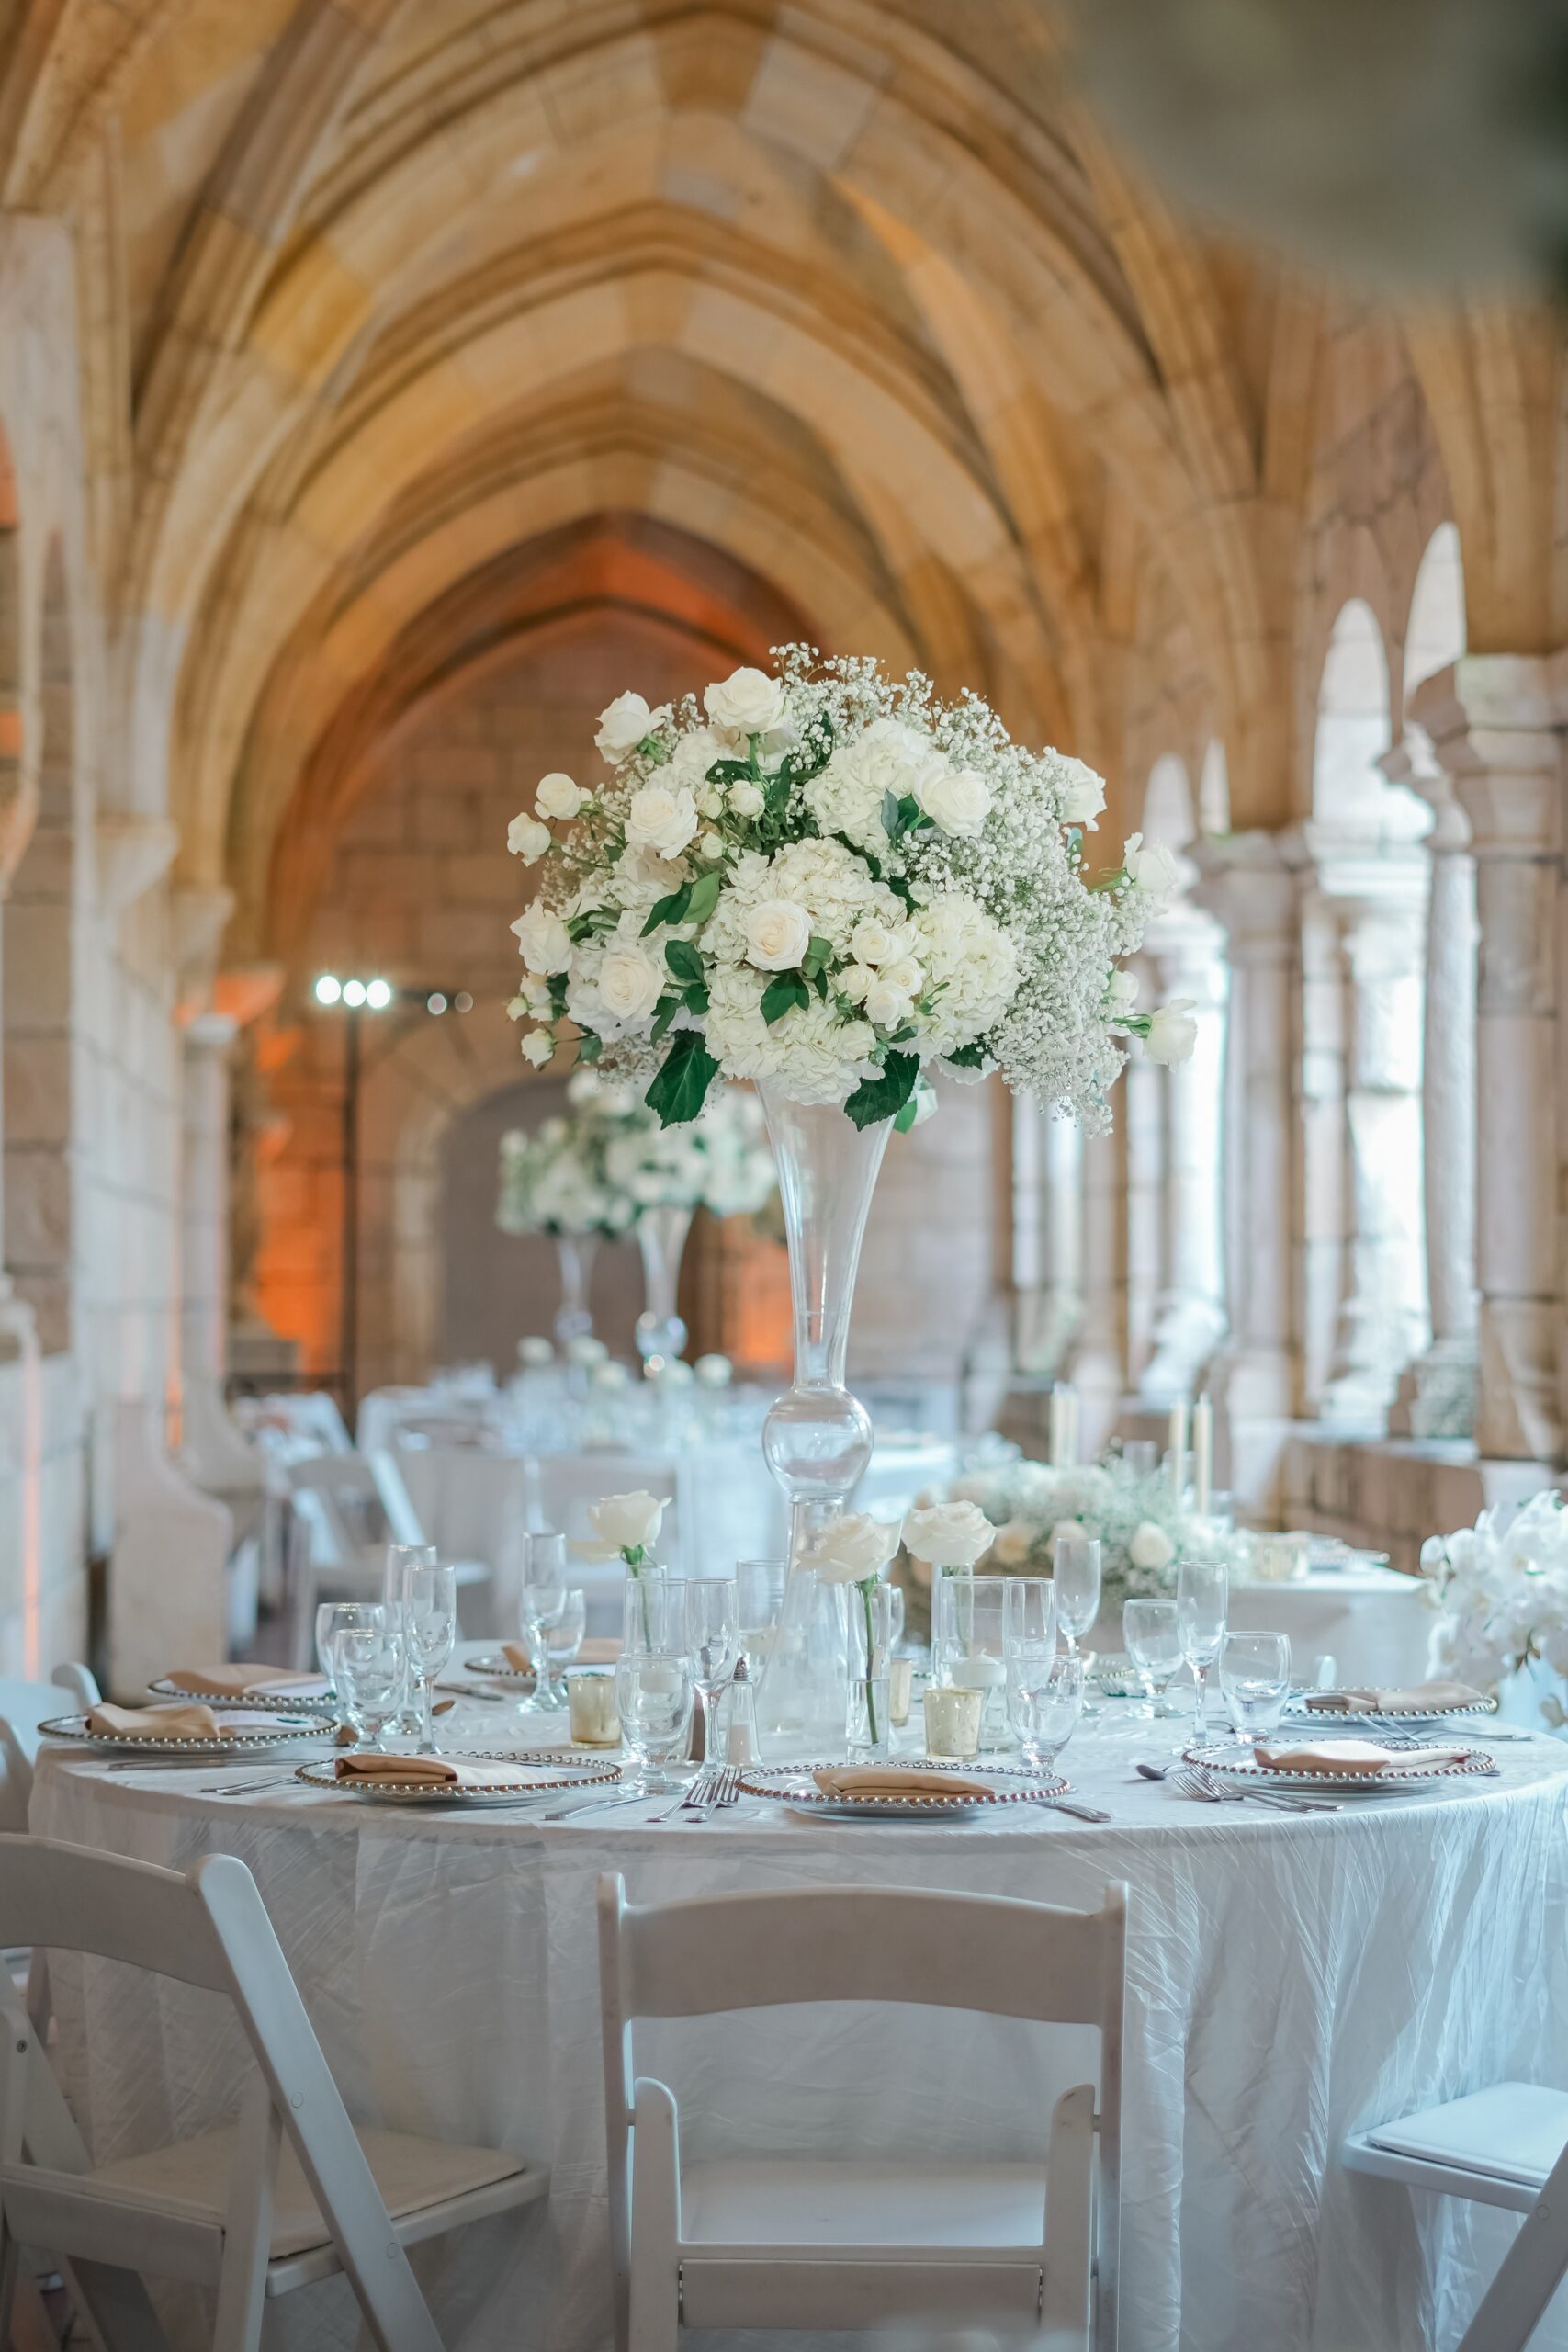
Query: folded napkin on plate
432, 1771
599, 1649
1356, 1757
153, 1722
876, 1780
245, 1681
1386, 1698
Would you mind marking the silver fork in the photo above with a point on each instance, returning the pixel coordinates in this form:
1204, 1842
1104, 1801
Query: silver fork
695, 1799
1193, 1781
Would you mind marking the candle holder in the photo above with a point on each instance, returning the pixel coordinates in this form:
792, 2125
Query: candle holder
952, 1722
592, 1714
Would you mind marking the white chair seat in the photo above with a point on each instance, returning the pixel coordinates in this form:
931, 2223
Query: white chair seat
190, 2181
796, 2208
1496, 2146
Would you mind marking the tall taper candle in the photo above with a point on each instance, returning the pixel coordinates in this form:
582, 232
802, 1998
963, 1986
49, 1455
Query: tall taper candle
1203, 1454
1176, 1447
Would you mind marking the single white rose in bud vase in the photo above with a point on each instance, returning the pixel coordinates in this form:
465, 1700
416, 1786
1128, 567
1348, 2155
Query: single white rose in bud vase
746, 799
777, 935
1083, 794
948, 1535
630, 984
852, 1548
661, 819
1120, 993
622, 725
958, 799
1150, 868
539, 1047
526, 838
558, 797
1172, 1033
1150, 1546
749, 702
628, 1524
545, 942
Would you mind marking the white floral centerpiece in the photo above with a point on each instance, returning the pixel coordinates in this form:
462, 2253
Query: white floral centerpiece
602, 1164
830, 880
1501, 1591
554, 1180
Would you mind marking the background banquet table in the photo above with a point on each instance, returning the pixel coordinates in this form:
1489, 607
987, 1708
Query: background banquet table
1290, 1978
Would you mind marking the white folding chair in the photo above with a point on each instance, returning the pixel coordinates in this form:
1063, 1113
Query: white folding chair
1508, 2146
286, 2195
23, 1707
802, 2242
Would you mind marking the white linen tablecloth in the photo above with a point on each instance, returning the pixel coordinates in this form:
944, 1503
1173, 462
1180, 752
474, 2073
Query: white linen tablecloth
1290, 1978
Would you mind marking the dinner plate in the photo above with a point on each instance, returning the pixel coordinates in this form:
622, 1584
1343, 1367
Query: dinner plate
1233, 1760
517, 1776
241, 1741
496, 1667
269, 1702
1397, 1719
793, 1784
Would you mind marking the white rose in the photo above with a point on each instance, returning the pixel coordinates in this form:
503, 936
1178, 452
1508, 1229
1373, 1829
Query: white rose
1153, 872
904, 974
526, 838
777, 935
714, 1372
661, 819
857, 982
1012, 1543
1120, 993
630, 983
535, 1351
871, 942
853, 1547
1083, 795
884, 1004
958, 798
948, 1535
1151, 1547
543, 940
711, 846
710, 803
538, 1047
627, 1523
749, 702
746, 799
1173, 1032
622, 726
558, 795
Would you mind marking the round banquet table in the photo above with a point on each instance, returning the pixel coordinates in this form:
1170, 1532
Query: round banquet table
1290, 1978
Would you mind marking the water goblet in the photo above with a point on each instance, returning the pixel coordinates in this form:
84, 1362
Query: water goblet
713, 1640
1203, 1593
653, 1698
430, 1632
1255, 1681
541, 1604
331, 1618
1045, 1702
1154, 1645
1075, 1564
367, 1669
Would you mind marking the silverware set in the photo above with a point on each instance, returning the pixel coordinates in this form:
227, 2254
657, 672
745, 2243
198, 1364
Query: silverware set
1194, 1780
707, 1790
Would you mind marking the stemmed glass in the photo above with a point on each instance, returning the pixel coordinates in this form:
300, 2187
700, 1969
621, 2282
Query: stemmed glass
1255, 1681
1045, 1702
653, 1697
541, 1605
1203, 1593
368, 1669
759, 1586
713, 1638
331, 1616
430, 1632
400, 1558
1154, 1645
1075, 1561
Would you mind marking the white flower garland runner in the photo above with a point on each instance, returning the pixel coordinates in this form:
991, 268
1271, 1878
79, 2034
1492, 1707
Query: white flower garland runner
599, 1166
834, 880
1501, 1589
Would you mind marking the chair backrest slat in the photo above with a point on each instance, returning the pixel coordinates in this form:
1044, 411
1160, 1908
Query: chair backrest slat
63, 1898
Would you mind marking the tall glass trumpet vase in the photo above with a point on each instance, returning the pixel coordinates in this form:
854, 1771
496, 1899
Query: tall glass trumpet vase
817, 1439
661, 1237
574, 1317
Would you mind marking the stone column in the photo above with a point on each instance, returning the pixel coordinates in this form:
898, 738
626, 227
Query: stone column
1495, 723
1047, 1268
204, 1193
1141, 1118
1184, 947
1437, 1395
1100, 1361
1248, 886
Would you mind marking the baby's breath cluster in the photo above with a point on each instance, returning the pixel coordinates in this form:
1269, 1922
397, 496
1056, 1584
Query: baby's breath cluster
831, 879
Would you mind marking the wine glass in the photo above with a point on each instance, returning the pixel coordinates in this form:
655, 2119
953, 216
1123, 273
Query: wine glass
1255, 1681
430, 1632
1076, 1566
368, 1669
1154, 1645
759, 1586
401, 1558
653, 1698
330, 1616
713, 1638
1202, 1591
541, 1604
1045, 1702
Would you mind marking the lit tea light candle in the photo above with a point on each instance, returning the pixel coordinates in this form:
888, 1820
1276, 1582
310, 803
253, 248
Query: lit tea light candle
591, 1710
979, 1672
952, 1721
900, 1689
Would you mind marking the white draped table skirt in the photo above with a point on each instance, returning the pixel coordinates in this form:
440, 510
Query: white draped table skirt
1290, 1978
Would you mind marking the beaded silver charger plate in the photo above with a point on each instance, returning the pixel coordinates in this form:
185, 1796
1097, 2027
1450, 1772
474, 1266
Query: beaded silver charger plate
1400, 1718
497, 1668
241, 1741
1232, 1759
793, 1784
520, 1775
266, 1702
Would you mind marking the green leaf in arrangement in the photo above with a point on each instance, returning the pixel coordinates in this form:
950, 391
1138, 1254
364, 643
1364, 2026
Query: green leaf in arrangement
784, 990
873, 865
665, 1012
969, 1057
904, 1119
680, 1087
588, 1047
671, 910
703, 897
817, 957
733, 772
885, 1096
696, 999
683, 960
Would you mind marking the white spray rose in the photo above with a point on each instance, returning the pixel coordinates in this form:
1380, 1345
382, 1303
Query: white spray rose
630, 983
777, 935
1120, 993
627, 1523
526, 838
622, 726
746, 799
1173, 1032
1150, 1546
661, 819
853, 1547
538, 1047
872, 942
884, 1004
1012, 1543
856, 982
958, 798
558, 795
905, 974
1083, 795
1152, 870
711, 846
545, 942
749, 702
948, 1535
